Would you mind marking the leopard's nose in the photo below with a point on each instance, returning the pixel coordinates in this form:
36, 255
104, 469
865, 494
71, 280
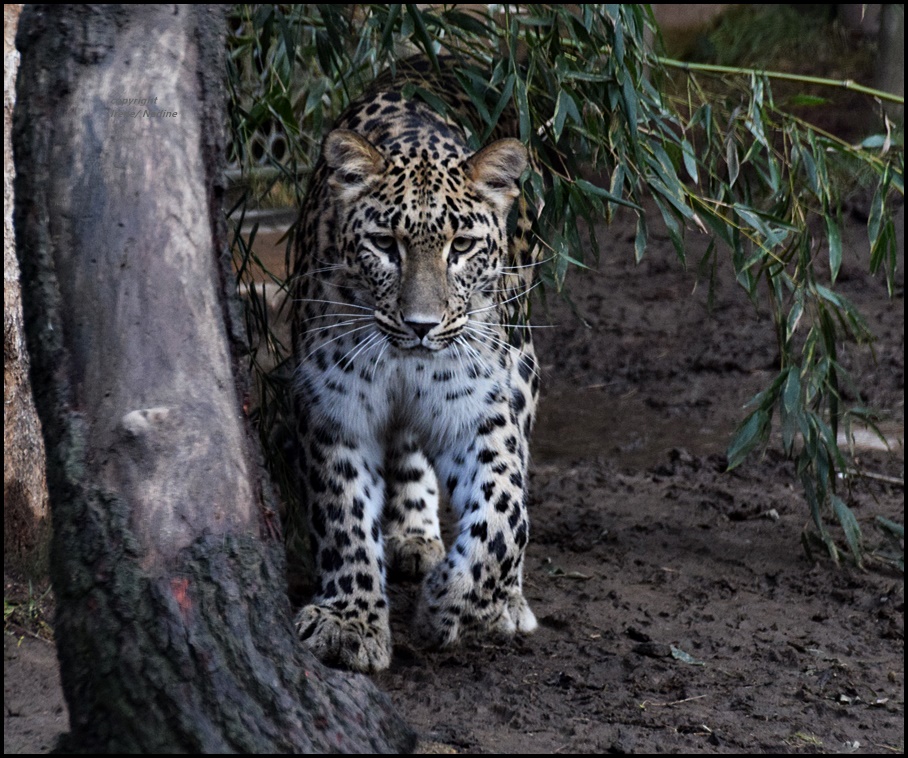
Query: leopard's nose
422, 328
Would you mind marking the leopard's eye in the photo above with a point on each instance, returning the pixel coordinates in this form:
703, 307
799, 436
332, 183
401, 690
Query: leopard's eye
462, 245
386, 246
384, 243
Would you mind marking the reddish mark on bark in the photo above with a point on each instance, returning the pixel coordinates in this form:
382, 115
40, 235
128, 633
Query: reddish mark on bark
271, 526
180, 590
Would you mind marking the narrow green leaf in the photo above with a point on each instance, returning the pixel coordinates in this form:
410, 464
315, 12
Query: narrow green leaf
850, 526
588, 187
640, 238
283, 110
512, 39
875, 218
773, 235
767, 398
675, 231
835, 246
674, 196
873, 142
584, 76
690, 160
523, 110
715, 222
895, 528
818, 152
754, 125
892, 254
810, 168
439, 105
868, 419
470, 86
791, 392
468, 22
564, 107
885, 251
629, 96
789, 427
422, 33
503, 103
790, 408
406, 26
828, 295
807, 100
616, 188
708, 266
669, 171
748, 437
731, 158
775, 176
794, 315
534, 21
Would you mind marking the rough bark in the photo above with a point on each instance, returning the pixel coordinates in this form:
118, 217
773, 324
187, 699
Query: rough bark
173, 628
26, 522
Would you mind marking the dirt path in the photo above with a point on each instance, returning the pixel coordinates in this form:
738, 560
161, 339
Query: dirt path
678, 610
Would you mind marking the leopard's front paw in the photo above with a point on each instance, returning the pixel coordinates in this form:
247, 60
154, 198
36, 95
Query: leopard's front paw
412, 556
453, 605
523, 617
353, 643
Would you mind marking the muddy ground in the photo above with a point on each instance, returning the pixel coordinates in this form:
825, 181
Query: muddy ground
678, 609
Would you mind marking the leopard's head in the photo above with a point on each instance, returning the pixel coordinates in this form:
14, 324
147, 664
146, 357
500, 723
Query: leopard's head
421, 232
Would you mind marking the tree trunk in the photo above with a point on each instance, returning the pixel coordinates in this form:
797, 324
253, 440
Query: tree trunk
26, 522
173, 627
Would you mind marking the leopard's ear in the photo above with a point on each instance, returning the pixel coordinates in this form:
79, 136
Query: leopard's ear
353, 161
496, 169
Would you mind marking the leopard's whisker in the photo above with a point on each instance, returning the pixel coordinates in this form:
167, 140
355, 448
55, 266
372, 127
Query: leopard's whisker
456, 349
472, 355
384, 343
357, 316
356, 320
528, 265
334, 339
332, 267
491, 338
501, 343
358, 348
503, 302
312, 275
333, 302
487, 325
472, 349
506, 290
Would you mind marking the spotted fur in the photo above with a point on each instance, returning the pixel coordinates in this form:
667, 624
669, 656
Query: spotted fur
414, 376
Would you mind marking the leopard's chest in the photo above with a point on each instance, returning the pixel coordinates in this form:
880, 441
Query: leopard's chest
440, 396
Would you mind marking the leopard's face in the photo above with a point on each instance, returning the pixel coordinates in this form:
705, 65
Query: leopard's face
422, 240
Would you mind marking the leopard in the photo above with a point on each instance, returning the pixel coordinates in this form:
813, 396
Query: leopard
416, 380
